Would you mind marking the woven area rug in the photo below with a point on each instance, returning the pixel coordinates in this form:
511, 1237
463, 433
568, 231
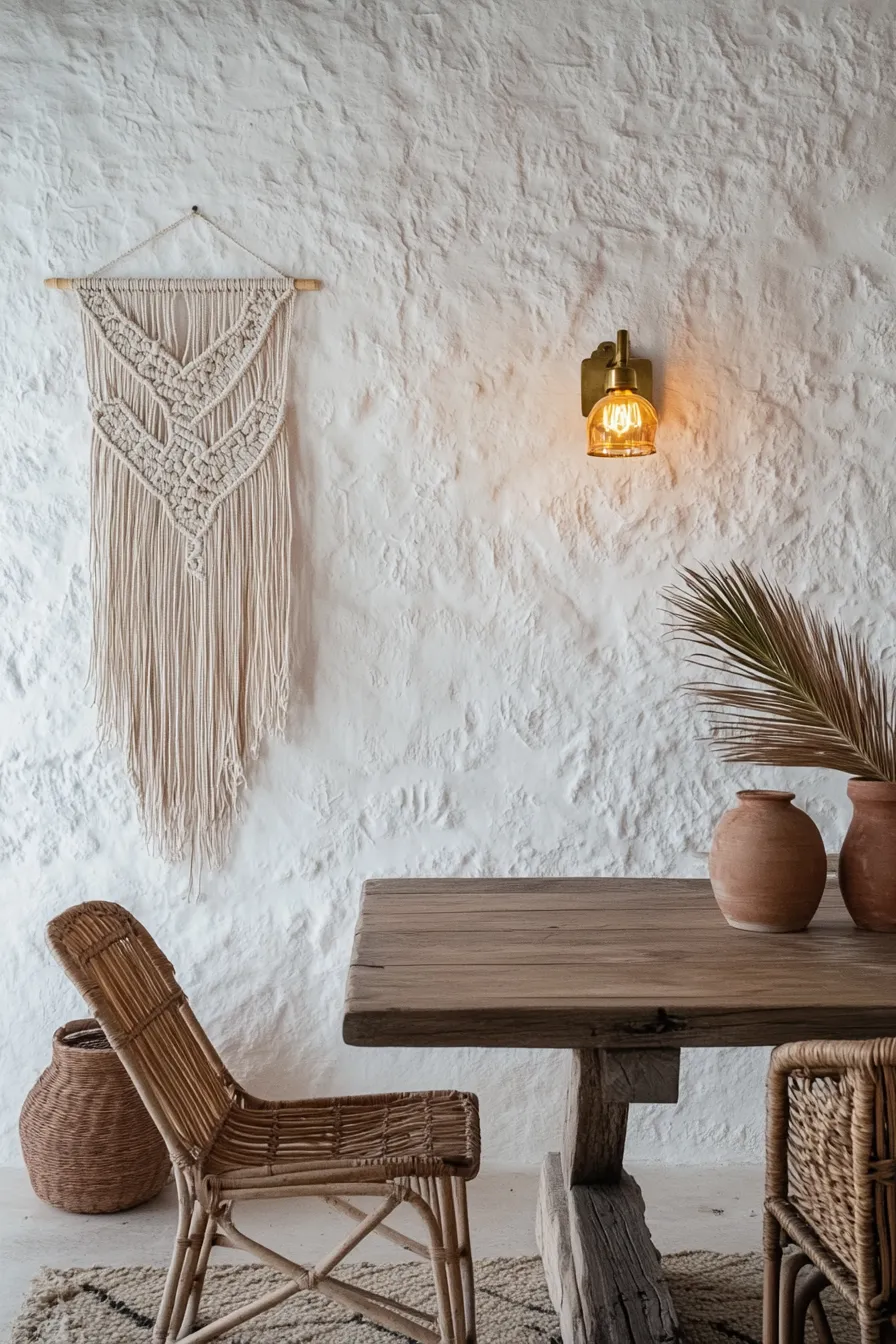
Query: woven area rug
719, 1300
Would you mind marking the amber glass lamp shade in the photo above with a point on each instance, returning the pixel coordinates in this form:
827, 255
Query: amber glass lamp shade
622, 424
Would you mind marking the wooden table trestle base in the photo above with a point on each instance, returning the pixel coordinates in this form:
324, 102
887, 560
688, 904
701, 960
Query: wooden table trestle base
602, 1269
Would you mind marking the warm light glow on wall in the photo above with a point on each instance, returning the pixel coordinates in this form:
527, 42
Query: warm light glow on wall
622, 422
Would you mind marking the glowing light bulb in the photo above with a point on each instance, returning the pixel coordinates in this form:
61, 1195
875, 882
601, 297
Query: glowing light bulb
620, 416
622, 424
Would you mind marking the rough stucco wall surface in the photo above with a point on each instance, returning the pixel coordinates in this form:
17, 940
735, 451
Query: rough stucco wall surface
488, 191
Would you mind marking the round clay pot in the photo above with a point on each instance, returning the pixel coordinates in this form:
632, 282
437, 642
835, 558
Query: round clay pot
767, 863
867, 867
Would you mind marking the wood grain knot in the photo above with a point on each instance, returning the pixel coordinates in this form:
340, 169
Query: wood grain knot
661, 1025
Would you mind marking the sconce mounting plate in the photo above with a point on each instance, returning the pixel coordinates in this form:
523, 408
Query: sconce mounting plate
594, 370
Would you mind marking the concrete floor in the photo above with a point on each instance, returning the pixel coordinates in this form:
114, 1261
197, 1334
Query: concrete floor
688, 1208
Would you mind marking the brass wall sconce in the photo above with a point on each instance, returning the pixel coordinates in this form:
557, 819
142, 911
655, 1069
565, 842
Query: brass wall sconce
616, 398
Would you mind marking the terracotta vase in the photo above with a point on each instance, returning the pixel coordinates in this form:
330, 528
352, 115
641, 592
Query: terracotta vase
867, 868
767, 863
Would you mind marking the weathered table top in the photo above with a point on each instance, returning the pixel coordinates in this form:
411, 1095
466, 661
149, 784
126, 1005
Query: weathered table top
603, 962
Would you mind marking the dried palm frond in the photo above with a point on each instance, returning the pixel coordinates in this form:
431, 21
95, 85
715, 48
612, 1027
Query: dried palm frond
812, 695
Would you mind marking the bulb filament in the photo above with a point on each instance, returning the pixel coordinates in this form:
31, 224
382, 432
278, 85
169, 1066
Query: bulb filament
621, 417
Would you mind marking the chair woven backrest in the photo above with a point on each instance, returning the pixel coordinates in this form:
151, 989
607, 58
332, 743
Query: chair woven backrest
131, 989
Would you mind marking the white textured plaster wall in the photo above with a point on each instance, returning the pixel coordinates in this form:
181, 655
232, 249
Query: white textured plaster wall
488, 191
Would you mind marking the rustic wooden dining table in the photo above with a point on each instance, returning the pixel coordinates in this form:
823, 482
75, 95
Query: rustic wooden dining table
623, 973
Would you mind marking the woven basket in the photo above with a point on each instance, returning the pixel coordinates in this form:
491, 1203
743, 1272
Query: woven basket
89, 1143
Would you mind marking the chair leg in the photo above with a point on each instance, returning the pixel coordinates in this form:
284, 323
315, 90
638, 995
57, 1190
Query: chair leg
790, 1268
823, 1332
192, 1311
804, 1299
449, 1221
466, 1257
771, 1285
438, 1260
195, 1243
178, 1255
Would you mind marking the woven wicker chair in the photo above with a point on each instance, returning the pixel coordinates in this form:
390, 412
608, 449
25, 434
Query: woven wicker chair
417, 1149
831, 1187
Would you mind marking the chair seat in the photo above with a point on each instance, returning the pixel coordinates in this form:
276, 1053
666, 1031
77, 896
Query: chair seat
398, 1134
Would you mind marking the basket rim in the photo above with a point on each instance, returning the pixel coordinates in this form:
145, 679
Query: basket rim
79, 1026
74, 1054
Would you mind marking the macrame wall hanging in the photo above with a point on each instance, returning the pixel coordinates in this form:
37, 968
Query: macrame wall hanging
190, 536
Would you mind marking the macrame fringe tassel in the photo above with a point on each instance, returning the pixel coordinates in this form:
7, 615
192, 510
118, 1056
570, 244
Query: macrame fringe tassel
191, 674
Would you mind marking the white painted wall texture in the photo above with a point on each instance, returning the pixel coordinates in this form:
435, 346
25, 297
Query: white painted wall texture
488, 190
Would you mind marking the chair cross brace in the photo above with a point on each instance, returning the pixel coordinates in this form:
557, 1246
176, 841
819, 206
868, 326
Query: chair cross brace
211, 1224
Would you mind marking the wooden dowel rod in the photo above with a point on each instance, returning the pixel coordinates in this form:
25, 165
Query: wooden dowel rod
64, 282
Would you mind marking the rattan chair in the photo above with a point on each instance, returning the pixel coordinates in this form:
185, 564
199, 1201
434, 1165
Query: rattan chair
831, 1187
410, 1148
